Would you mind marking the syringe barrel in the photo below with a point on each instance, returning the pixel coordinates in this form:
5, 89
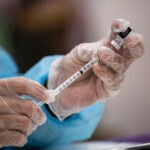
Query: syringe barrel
67, 82
75, 76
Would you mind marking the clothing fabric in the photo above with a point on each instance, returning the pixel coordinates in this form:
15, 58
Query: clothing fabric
8, 67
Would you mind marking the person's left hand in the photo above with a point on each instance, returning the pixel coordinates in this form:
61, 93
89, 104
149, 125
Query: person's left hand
102, 81
19, 117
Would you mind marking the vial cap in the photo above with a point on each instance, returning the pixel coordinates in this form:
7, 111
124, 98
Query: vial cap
125, 33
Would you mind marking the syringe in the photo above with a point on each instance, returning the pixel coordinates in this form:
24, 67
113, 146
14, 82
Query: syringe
117, 43
76, 75
71, 79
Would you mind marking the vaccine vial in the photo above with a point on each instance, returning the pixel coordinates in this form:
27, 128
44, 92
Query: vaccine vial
118, 42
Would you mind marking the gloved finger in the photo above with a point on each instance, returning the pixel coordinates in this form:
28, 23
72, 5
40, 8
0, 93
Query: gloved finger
23, 86
117, 26
111, 59
23, 107
12, 138
84, 52
110, 80
17, 122
132, 47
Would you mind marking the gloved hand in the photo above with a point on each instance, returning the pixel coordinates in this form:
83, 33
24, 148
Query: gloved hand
105, 77
19, 117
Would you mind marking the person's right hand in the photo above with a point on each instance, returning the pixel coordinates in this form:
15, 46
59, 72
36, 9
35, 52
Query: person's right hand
19, 117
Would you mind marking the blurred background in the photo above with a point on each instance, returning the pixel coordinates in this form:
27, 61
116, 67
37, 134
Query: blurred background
30, 30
